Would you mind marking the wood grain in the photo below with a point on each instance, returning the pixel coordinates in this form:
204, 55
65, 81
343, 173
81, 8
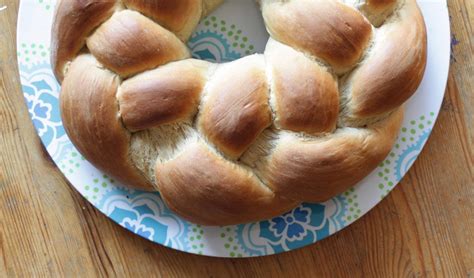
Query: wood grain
424, 228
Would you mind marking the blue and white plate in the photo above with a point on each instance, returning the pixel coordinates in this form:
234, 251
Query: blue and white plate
234, 30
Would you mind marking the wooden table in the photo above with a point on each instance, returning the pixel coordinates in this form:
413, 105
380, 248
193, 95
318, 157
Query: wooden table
424, 228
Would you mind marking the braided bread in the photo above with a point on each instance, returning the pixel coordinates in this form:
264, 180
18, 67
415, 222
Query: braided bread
245, 140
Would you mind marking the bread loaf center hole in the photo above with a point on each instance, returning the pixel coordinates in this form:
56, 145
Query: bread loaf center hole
234, 30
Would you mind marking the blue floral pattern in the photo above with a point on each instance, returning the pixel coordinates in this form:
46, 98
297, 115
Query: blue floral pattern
293, 225
40, 90
135, 226
145, 214
212, 47
299, 227
408, 156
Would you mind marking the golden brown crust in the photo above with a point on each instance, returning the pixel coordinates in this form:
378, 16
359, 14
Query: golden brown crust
246, 140
210, 5
306, 95
328, 30
393, 70
380, 5
377, 11
237, 109
90, 117
178, 16
73, 22
314, 171
129, 43
162, 96
204, 188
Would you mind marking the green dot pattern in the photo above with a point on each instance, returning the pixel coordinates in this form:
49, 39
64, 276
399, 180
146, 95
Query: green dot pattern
195, 239
408, 135
230, 244
33, 52
95, 186
353, 211
71, 163
233, 33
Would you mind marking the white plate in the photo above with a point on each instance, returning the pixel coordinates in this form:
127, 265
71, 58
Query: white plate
234, 30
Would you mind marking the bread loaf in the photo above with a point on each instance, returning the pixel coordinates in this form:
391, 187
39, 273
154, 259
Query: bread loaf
245, 140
